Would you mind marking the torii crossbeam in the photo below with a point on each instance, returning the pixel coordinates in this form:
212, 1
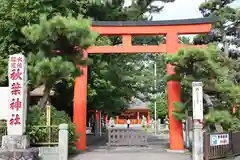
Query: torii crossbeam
127, 29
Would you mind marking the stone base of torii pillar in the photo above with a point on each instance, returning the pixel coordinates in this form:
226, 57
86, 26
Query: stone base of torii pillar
11, 142
17, 147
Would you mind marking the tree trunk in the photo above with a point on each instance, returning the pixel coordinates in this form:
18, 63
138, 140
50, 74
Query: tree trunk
225, 44
208, 100
45, 97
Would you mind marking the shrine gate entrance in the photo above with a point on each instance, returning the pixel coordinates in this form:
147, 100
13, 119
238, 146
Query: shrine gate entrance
171, 29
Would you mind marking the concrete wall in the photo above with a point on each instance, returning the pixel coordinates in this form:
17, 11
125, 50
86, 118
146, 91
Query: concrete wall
49, 153
61, 151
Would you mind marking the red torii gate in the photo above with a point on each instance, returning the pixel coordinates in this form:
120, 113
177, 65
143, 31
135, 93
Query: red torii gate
127, 29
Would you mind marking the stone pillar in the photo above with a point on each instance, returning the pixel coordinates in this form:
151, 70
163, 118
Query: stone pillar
158, 125
197, 146
17, 110
63, 142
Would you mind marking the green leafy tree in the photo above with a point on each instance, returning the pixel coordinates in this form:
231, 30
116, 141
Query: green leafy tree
184, 40
16, 14
60, 41
39, 133
224, 31
161, 106
211, 68
135, 11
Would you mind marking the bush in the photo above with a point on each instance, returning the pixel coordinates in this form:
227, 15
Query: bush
220, 117
226, 119
235, 126
38, 131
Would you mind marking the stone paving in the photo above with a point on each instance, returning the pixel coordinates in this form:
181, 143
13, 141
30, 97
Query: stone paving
132, 156
155, 151
97, 150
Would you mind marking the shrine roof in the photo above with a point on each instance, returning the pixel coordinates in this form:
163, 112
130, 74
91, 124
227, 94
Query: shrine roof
206, 20
139, 108
38, 92
138, 104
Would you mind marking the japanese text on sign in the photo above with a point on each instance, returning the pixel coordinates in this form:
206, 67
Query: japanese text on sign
219, 139
197, 100
17, 70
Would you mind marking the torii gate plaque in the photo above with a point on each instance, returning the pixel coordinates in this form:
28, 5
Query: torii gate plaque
127, 29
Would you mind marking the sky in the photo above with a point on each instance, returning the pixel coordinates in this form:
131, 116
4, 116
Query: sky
182, 9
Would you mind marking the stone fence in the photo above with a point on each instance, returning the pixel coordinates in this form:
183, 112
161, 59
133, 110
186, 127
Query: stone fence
127, 137
18, 147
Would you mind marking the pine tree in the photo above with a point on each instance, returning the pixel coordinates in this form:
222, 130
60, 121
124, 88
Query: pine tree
60, 42
214, 70
225, 29
16, 14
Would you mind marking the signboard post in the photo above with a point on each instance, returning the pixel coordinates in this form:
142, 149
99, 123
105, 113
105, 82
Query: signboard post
197, 101
17, 106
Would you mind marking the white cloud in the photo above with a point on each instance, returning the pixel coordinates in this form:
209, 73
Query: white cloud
236, 3
182, 9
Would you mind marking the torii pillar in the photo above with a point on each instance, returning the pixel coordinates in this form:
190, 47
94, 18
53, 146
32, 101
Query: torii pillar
127, 29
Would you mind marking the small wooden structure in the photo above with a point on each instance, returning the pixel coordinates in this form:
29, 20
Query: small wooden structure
37, 93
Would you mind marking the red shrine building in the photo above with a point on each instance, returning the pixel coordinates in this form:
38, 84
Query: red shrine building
136, 110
